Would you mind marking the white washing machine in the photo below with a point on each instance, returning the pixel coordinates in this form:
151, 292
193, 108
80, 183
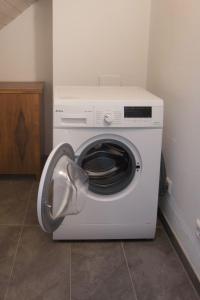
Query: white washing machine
101, 180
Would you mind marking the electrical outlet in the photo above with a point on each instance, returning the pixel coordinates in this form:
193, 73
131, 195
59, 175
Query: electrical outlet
169, 182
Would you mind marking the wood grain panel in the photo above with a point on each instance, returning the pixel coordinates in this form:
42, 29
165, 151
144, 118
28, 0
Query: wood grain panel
20, 151
21, 135
21, 87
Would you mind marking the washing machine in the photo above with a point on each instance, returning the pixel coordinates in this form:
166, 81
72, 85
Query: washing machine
101, 180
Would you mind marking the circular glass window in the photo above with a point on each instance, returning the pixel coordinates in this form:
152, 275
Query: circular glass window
110, 166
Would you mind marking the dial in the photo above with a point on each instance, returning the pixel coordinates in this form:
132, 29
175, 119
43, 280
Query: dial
108, 118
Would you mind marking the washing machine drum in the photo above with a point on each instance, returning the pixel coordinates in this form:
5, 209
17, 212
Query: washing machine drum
110, 166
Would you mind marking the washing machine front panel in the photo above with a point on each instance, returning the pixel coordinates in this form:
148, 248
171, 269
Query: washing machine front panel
129, 119
61, 181
130, 213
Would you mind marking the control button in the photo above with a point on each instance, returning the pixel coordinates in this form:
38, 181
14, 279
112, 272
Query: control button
108, 118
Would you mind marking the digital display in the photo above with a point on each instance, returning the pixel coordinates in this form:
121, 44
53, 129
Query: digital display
137, 112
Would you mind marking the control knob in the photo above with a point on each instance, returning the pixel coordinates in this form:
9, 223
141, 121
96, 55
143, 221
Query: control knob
108, 118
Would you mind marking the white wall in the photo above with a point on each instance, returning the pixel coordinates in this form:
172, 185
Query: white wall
174, 74
100, 37
26, 53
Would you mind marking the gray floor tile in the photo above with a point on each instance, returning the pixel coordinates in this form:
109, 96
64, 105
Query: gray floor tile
41, 270
159, 223
8, 243
99, 272
98, 269
14, 195
156, 270
31, 215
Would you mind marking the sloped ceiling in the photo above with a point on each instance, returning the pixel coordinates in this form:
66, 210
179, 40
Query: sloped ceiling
10, 9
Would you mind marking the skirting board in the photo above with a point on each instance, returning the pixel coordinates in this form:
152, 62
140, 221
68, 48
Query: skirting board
193, 277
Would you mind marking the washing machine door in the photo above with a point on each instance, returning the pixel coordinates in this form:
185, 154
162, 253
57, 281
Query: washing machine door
61, 183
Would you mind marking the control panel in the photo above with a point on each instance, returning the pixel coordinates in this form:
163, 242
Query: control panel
129, 116
108, 118
104, 115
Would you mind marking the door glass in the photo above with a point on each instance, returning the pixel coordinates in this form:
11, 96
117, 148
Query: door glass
110, 166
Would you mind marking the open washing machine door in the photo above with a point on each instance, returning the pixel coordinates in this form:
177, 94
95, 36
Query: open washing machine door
61, 183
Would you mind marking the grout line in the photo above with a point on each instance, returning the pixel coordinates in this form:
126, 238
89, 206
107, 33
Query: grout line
14, 260
19, 225
70, 271
18, 244
66, 258
28, 203
129, 272
11, 225
181, 263
31, 225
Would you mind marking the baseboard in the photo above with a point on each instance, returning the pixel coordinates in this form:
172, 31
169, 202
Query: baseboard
191, 273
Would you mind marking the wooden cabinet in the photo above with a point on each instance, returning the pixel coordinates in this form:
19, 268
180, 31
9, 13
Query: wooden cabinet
20, 128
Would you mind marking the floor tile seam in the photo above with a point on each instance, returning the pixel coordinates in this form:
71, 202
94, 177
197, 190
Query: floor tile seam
27, 204
129, 272
18, 242
180, 262
11, 225
70, 271
31, 225
19, 225
13, 262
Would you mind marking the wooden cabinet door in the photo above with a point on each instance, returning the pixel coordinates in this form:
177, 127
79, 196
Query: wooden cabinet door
19, 133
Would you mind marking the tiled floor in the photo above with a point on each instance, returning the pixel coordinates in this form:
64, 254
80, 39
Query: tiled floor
33, 267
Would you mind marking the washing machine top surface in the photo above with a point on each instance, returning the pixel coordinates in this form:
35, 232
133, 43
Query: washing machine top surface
105, 93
